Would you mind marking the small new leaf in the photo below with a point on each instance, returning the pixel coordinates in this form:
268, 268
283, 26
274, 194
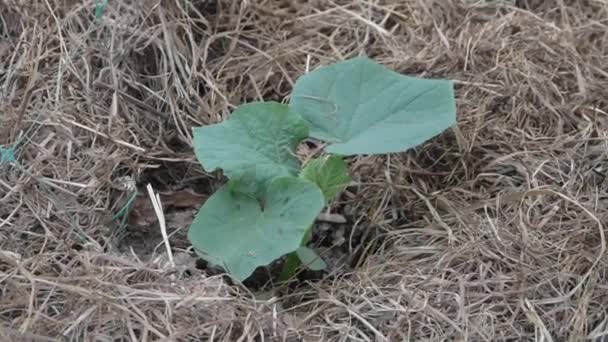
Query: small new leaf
310, 259
329, 173
255, 145
232, 229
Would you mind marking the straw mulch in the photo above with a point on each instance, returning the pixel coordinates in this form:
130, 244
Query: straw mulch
494, 230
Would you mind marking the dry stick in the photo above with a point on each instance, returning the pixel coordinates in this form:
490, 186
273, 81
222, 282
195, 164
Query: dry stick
435, 214
158, 209
132, 99
26, 335
80, 318
358, 317
595, 263
94, 131
537, 320
63, 48
28, 90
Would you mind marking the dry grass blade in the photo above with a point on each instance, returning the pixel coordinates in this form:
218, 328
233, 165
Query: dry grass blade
158, 209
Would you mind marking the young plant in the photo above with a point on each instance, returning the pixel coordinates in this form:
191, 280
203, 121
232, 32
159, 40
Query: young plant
267, 208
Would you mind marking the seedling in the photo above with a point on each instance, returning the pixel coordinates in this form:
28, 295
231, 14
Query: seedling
267, 208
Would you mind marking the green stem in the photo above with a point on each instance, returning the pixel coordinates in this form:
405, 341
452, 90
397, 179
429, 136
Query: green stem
292, 263
290, 267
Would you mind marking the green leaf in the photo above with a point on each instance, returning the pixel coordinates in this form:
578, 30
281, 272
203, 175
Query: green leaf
329, 173
361, 107
233, 230
310, 259
255, 145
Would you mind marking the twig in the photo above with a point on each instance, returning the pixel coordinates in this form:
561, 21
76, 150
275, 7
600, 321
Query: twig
120, 142
158, 209
331, 218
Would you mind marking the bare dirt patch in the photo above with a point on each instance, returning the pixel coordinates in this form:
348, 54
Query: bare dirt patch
493, 231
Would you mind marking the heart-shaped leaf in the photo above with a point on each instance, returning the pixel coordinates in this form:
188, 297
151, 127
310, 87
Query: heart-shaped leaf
255, 145
361, 107
233, 230
329, 173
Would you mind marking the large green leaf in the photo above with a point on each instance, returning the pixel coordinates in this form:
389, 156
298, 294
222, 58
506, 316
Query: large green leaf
255, 145
234, 231
329, 173
361, 107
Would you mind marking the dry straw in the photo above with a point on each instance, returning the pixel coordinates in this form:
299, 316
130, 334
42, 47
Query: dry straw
493, 231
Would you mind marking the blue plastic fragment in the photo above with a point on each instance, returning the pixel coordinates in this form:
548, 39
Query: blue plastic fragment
100, 7
7, 155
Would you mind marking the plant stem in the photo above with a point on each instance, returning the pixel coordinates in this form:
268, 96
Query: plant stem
293, 261
290, 267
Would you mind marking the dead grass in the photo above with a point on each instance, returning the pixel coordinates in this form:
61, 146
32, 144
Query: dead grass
493, 231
